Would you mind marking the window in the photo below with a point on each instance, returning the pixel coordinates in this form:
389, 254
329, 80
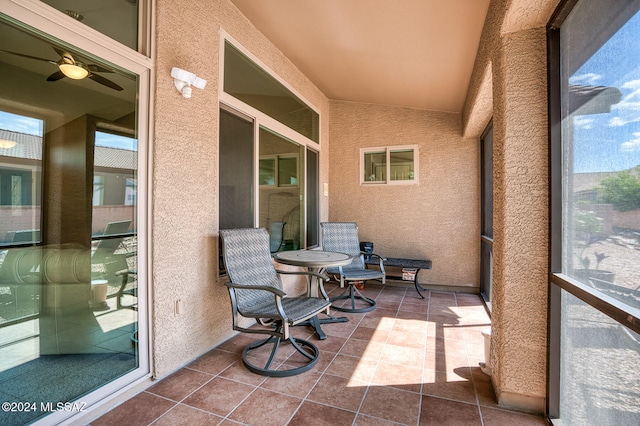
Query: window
389, 165
116, 19
262, 118
57, 246
594, 375
250, 83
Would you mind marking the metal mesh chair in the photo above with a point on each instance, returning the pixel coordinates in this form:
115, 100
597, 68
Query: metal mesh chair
342, 237
256, 291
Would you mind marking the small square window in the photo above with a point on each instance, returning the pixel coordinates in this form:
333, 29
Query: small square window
389, 165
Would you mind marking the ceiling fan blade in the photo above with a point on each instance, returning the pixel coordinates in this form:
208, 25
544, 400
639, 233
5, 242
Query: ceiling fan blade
100, 79
56, 76
29, 56
97, 68
60, 52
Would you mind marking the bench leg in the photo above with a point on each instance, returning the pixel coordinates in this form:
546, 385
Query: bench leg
418, 287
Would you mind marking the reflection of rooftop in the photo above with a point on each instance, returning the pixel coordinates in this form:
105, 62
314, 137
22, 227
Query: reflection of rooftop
29, 147
585, 100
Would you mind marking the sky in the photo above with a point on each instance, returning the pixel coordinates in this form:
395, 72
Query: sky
611, 141
33, 126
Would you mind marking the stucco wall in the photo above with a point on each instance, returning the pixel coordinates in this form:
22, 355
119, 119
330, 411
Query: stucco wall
184, 180
512, 58
438, 218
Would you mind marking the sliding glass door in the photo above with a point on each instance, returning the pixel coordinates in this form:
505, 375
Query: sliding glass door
594, 374
69, 207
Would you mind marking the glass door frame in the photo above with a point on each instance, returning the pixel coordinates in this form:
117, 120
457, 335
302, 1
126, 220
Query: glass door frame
48, 21
486, 197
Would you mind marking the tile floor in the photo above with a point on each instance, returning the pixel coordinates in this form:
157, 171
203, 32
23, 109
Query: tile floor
411, 361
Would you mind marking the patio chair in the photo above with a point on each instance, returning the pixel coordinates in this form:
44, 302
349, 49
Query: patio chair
256, 291
109, 265
343, 237
276, 241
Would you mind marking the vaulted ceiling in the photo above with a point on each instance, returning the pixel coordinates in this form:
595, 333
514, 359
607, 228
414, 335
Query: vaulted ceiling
411, 53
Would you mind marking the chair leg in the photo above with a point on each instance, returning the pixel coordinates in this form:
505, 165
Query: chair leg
353, 294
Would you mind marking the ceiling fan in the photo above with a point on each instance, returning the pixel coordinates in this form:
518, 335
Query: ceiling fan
68, 66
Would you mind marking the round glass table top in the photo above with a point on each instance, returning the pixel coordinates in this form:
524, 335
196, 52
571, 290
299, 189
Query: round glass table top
312, 258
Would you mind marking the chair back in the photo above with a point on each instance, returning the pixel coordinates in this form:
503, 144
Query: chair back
276, 240
342, 237
247, 260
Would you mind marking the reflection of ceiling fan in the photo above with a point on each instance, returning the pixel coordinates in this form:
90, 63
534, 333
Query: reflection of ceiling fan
70, 67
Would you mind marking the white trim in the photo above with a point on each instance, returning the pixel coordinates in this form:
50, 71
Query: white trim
387, 150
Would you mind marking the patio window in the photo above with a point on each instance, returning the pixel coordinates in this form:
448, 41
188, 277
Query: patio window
389, 165
269, 171
594, 375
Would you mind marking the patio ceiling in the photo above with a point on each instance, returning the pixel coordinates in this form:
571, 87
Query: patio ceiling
411, 53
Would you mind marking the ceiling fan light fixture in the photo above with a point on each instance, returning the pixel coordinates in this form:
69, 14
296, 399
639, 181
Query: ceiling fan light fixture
73, 71
7, 144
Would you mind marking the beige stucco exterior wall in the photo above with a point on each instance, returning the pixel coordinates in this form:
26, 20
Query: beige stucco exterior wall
184, 175
512, 59
436, 219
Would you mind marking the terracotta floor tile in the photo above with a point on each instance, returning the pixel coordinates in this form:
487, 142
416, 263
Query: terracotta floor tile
442, 412
338, 392
334, 344
495, 417
266, 408
340, 329
408, 339
237, 343
360, 369
440, 344
364, 420
314, 414
142, 409
240, 373
398, 376
220, 396
379, 322
412, 357
214, 362
449, 386
180, 384
371, 334
362, 348
183, 415
392, 404
418, 316
298, 385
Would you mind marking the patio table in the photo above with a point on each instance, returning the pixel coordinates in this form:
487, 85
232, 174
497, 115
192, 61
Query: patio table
315, 261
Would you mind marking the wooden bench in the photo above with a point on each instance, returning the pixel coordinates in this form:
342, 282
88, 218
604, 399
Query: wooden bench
416, 264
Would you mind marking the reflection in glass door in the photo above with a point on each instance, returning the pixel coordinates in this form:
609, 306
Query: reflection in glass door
68, 229
281, 194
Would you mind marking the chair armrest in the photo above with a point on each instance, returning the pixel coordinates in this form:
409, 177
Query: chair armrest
382, 258
270, 289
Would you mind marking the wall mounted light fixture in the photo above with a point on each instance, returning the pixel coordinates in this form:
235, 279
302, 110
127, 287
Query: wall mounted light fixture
185, 79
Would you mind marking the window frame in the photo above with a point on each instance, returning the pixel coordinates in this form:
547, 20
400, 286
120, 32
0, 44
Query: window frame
43, 19
388, 150
264, 121
623, 314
